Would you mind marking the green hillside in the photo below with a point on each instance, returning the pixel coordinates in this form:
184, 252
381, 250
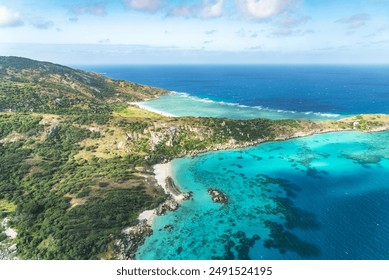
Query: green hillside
76, 159
32, 86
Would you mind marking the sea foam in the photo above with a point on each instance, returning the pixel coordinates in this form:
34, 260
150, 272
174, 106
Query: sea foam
185, 104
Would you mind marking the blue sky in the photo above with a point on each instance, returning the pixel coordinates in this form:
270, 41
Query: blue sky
196, 31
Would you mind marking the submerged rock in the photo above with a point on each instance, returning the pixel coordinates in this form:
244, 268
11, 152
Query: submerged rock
217, 196
169, 228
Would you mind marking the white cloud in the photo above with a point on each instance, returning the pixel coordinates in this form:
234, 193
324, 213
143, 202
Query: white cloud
256, 48
355, 21
181, 11
286, 32
247, 33
42, 24
104, 41
98, 9
9, 18
210, 32
144, 5
212, 10
263, 9
206, 10
290, 21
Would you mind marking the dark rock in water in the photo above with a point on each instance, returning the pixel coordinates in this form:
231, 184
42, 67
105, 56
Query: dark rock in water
237, 246
169, 205
187, 196
171, 186
228, 255
243, 251
231, 243
239, 234
169, 228
179, 250
285, 241
217, 196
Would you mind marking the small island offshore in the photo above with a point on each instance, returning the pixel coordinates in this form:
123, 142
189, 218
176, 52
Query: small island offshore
84, 168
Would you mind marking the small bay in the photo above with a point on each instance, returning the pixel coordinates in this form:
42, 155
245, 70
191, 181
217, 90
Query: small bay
318, 197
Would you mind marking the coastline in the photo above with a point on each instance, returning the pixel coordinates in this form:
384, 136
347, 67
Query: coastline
135, 235
163, 172
144, 107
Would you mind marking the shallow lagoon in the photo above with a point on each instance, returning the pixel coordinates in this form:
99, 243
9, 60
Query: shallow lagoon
318, 197
182, 104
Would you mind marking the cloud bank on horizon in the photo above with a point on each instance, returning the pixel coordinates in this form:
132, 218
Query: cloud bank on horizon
196, 31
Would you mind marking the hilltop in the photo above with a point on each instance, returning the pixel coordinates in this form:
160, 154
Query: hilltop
43, 87
76, 158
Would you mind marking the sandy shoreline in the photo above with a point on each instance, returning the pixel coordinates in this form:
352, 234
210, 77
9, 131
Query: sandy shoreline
145, 107
147, 215
161, 171
137, 234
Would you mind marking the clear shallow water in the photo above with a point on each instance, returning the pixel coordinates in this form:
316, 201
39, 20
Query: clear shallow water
268, 91
320, 197
182, 104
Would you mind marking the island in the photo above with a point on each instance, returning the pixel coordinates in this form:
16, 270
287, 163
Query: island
78, 159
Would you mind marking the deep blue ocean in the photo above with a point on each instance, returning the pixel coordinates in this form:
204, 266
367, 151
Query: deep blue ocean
319, 197
340, 90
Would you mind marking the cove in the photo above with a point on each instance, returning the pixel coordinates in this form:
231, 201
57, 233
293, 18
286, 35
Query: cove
318, 197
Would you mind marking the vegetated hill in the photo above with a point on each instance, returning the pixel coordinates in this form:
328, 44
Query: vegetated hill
71, 181
32, 86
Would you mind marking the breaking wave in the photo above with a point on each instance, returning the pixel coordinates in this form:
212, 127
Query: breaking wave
260, 108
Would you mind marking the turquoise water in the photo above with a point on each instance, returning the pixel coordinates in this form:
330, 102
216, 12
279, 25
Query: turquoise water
182, 104
319, 197
316, 92
334, 89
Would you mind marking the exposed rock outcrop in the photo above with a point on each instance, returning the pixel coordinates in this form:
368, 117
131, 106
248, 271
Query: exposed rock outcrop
218, 196
169, 205
171, 186
187, 196
134, 237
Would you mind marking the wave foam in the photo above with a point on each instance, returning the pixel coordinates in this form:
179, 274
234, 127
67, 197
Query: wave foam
258, 107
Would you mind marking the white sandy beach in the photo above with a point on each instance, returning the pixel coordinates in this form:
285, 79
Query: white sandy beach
147, 215
142, 106
161, 171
